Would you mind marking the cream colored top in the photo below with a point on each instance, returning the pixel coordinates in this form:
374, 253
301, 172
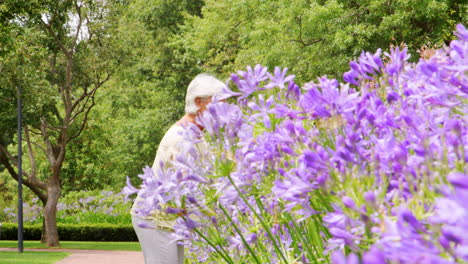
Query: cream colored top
168, 149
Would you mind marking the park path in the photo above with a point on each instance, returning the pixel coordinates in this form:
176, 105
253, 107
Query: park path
94, 256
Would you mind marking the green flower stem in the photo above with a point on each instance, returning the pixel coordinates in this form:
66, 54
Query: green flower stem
267, 229
306, 244
225, 257
240, 234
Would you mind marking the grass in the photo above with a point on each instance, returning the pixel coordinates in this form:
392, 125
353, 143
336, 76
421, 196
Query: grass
31, 257
127, 246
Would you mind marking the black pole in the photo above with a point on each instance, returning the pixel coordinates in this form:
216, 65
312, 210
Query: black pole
20, 177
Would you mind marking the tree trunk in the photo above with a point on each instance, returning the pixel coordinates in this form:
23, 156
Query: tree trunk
50, 213
43, 234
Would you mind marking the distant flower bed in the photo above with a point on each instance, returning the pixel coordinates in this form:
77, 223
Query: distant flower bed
372, 170
91, 207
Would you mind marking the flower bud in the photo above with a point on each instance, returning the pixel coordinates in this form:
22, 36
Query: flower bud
348, 202
369, 197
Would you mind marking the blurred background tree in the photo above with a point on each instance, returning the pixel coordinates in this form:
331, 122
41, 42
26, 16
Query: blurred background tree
312, 38
58, 54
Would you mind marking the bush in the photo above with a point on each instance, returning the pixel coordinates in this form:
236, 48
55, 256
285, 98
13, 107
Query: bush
89, 207
74, 232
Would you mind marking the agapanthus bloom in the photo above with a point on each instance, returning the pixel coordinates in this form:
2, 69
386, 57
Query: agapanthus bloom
375, 167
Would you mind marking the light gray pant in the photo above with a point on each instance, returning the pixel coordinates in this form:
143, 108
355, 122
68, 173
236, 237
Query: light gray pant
155, 244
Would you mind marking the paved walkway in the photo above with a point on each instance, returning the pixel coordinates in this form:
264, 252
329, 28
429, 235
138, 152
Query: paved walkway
94, 256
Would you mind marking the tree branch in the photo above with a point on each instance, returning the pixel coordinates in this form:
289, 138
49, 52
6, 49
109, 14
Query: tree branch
82, 108
85, 96
301, 40
305, 44
235, 26
50, 149
85, 119
36, 189
8, 155
53, 70
55, 128
32, 175
78, 27
49, 30
69, 57
32, 160
38, 146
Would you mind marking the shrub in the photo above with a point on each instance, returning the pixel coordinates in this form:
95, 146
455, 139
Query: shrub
89, 207
74, 232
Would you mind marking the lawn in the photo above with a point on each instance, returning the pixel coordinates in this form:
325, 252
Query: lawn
31, 257
128, 246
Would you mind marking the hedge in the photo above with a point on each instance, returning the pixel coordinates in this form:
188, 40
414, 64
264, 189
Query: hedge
73, 232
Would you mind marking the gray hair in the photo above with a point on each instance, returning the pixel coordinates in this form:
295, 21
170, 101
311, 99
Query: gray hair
203, 85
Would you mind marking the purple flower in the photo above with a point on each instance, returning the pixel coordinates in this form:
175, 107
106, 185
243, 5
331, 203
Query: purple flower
343, 234
281, 111
146, 225
461, 33
177, 211
251, 238
262, 109
191, 224
448, 211
367, 64
250, 81
129, 189
408, 217
326, 99
221, 120
397, 62
351, 76
374, 256
458, 179
369, 196
294, 91
348, 202
452, 234
279, 78
338, 257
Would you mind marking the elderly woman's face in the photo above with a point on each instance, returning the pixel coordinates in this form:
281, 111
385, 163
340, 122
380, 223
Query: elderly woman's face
202, 102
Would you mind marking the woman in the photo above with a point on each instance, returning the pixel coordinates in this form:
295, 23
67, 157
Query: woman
155, 241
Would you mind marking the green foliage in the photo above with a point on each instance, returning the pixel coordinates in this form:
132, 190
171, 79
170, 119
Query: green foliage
94, 207
85, 207
21, 58
31, 232
7, 194
167, 15
312, 38
40, 53
121, 137
74, 232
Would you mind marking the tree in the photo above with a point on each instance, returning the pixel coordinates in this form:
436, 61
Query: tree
59, 53
314, 37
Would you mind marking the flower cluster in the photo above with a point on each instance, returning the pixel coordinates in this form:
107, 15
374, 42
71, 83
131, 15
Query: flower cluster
420, 147
78, 207
374, 167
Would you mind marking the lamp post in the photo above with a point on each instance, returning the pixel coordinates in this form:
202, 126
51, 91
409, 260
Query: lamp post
20, 176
